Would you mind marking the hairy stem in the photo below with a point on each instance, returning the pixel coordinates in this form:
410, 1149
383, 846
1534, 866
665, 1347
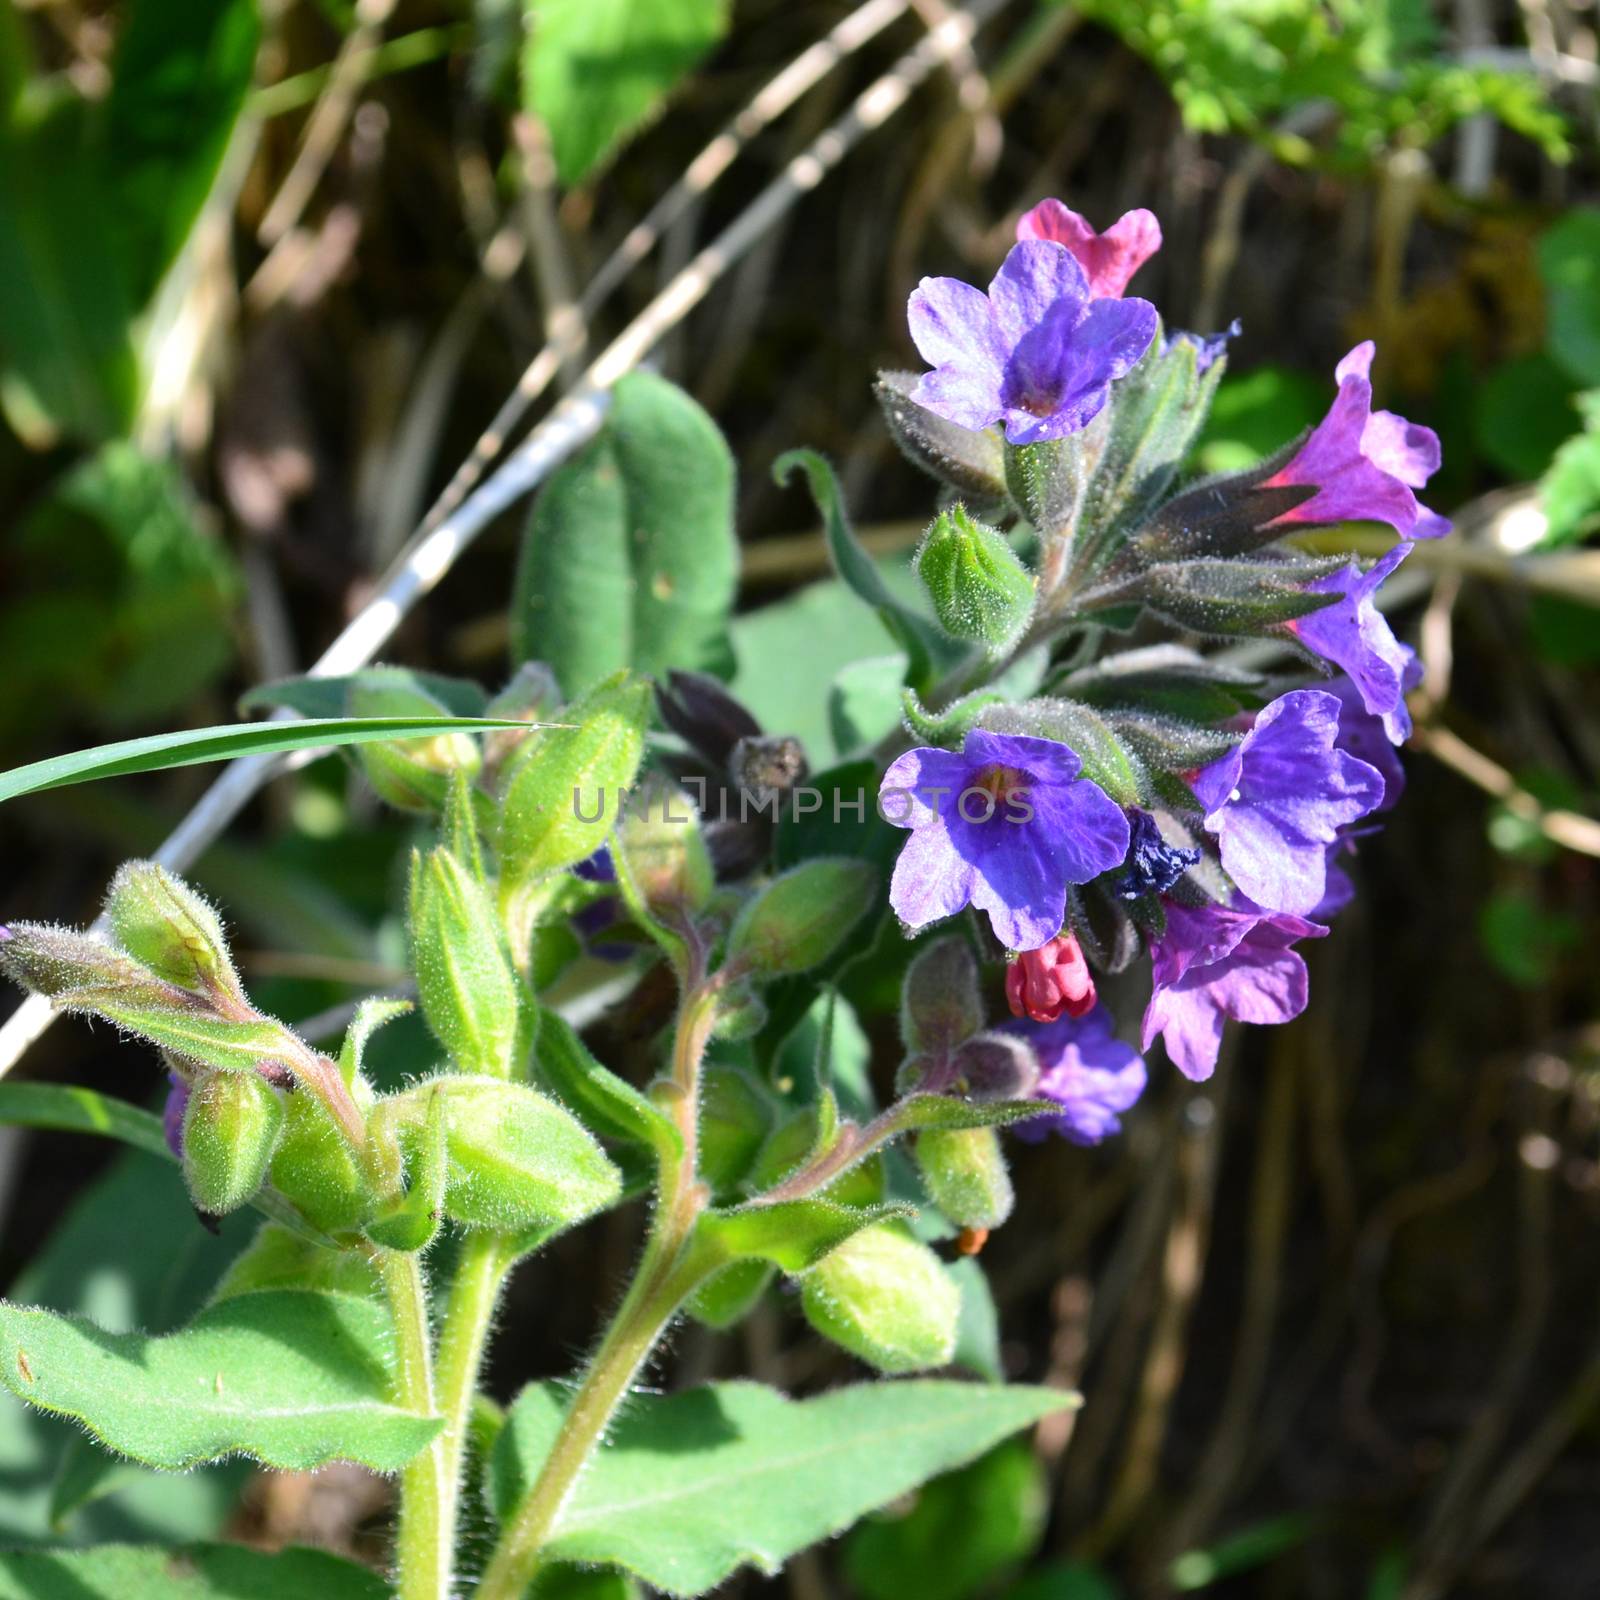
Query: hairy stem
474, 1292
422, 1545
669, 1271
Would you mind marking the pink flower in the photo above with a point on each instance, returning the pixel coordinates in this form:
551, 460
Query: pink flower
1108, 259
1363, 463
1050, 982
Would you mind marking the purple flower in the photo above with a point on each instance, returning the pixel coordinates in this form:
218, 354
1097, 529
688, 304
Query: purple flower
1352, 633
172, 1113
1038, 352
1090, 1073
1214, 962
1278, 800
1364, 463
1208, 347
1108, 259
1367, 737
1004, 826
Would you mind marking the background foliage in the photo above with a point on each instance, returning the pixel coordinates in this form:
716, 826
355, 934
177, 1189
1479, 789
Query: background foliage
265, 273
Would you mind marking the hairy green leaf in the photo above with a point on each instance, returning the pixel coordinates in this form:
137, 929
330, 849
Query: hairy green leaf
690, 1487
291, 1378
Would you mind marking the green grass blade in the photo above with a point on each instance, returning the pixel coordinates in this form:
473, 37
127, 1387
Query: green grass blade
194, 746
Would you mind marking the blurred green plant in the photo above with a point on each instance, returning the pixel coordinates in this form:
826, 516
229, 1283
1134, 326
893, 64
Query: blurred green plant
1242, 66
103, 573
96, 201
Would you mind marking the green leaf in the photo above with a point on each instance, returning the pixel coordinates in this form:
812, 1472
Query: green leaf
184, 1572
1570, 492
610, 1105
690, 1487
948, 1112
1254, 413
792, 1234
330, 697
517, 1159
279, 1259
630, 558
97, 1262
595, 70
1065, 1580
1522, 413
916, 635
963, 1531
1569, 263
291, 1378
66, 360
195, 746
178, 78
72, 1110
117, 538
824, 625
1154, 415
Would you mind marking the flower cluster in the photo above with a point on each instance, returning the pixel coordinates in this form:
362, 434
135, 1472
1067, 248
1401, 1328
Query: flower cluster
1217, 847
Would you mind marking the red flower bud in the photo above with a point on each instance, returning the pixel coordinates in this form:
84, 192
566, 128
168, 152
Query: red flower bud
1051, 981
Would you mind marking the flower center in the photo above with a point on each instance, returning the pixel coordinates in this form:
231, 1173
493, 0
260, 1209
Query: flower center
1000, 782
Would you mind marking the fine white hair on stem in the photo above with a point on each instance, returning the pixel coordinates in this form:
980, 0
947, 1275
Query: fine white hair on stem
569, 425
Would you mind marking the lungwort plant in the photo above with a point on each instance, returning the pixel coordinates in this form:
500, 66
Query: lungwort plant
1047, 782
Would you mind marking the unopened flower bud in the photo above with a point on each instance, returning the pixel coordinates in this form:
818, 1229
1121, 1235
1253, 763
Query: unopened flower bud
533, 695
1050, 982
766, 764
996, 1066
704, 715
464, 979
979, 587
72, 969
411, 774
939, 1002
160, 921
966, 1175
660, 839
886, 1298
231, 1127
800, 918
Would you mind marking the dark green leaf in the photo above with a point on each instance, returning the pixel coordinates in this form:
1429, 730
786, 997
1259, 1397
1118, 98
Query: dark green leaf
178, 78
962, 1532
1569, 263
609, 1105
330, 697
184, 1572
629, 559
916, 635
791, 1234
